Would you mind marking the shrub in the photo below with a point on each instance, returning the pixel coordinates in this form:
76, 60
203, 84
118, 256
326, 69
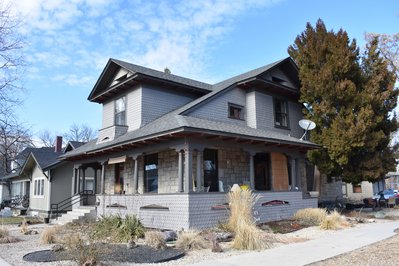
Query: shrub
241, 204
247, 236
48, 234
241, 221
311, 216
118, 229
191, 240
333, 221
155, 239
83, 254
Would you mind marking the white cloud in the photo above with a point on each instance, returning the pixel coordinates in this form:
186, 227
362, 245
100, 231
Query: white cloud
76, 36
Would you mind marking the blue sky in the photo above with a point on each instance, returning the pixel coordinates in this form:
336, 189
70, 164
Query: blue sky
69, 42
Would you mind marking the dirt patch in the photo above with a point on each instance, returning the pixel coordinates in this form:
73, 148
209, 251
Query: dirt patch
284, 226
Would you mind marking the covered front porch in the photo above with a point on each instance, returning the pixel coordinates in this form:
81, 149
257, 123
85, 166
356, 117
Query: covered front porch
183, 183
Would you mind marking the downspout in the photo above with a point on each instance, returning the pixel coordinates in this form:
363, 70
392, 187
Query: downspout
49, 195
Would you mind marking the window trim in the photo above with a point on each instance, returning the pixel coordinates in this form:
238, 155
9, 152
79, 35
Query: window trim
242, 112
357, 188
38, 187
275, 113
124, 111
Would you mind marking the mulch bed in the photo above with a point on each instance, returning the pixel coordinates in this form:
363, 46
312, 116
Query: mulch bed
285, 226
111, 252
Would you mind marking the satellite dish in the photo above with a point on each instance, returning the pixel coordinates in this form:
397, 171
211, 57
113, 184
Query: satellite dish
306, 125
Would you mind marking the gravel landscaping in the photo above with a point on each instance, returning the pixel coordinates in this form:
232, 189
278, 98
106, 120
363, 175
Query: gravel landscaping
28, 245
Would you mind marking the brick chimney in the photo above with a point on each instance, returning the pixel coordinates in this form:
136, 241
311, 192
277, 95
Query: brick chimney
58, 144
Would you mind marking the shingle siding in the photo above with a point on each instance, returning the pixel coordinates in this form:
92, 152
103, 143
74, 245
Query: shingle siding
158, 101
134, 108
217, 108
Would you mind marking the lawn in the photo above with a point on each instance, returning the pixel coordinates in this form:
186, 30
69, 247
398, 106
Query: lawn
18, 220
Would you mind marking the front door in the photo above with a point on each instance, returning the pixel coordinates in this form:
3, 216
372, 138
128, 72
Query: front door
262, 171
211, 169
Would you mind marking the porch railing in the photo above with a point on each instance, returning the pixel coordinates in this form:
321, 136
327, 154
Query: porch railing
82, 197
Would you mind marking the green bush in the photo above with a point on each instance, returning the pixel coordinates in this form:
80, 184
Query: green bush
118, 229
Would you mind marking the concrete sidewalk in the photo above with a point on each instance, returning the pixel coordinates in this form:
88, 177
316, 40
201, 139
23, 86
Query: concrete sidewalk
314, 250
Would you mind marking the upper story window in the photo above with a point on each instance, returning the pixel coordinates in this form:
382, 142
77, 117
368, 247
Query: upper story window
280, 113
236, 111
120, 111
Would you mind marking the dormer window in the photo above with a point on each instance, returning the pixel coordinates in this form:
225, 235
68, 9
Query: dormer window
280, 113
236, 111
120, 111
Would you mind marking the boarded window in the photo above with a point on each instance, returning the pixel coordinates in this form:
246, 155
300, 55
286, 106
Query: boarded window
279, 171
357, 188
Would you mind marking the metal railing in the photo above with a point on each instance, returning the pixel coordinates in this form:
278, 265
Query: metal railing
82, 197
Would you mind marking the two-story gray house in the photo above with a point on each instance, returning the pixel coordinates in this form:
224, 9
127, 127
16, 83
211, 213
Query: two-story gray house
171, 147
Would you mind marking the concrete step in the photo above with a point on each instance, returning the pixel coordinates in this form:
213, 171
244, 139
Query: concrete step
76, 215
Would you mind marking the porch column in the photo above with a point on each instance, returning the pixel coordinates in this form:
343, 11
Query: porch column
74, 181
84, 178
79, 182
188, 170
102, 185
180, 172
136, 176
95, 181
293, 174
251, 170
199, 169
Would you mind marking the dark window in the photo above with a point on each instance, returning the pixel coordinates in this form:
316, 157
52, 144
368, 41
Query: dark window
118, 187
120, 111
151, 173
281, 113
211, 178
262, 171
357, 188
236, 111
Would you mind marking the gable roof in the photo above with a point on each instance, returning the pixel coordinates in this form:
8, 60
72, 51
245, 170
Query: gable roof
101, 89
176, 121
71, 145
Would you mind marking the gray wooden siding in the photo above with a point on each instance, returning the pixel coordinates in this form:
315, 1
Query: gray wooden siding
108, 114
217, 108
251, 109
265, 115
38, 202
279, 74
133, 108
159, 101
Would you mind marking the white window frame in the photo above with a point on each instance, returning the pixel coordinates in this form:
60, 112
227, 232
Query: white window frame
120, 111
38, 187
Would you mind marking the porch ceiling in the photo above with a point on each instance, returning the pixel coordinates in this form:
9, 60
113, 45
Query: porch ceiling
195, 134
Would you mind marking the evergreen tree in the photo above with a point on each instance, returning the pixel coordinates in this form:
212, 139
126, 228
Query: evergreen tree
350, 99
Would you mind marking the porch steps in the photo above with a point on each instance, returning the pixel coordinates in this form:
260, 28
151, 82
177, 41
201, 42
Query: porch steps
79, 214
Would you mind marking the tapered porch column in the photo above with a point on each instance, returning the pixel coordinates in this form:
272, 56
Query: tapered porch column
102, 185
180, 172
95, 181
293, 174
251, 170
79, 183
136, 175
199, 169
188, 170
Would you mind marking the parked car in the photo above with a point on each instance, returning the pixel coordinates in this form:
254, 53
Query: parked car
388, 193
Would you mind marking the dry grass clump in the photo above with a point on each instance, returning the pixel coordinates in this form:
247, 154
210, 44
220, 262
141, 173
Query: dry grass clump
4, 232
48, 235
241, 221
191, 240
6, 238
248, 237
83, 253
155, 239
333, 221
24, 226
311, 216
